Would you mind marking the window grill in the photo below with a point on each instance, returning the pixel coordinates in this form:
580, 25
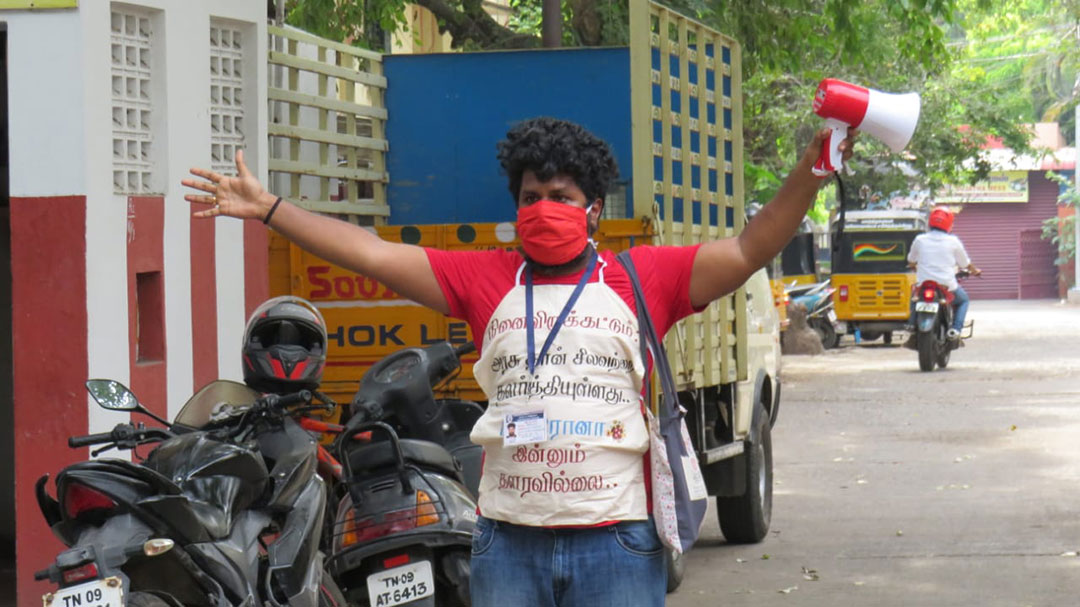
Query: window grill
131, 40
226, 96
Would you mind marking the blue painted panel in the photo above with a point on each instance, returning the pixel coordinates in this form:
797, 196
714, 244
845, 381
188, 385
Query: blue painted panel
447, 111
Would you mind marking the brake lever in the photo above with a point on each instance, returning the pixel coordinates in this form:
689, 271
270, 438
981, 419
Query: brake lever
327, 402
97, 452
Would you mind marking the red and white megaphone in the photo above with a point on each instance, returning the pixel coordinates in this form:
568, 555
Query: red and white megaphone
889, 117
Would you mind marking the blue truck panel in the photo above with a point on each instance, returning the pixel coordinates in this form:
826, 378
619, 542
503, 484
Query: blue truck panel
447, 111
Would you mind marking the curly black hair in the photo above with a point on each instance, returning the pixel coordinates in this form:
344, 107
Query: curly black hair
548, 147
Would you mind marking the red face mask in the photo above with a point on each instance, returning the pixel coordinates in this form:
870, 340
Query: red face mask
552, 233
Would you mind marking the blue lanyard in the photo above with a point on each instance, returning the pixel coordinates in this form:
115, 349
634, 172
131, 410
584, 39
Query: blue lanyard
529, 323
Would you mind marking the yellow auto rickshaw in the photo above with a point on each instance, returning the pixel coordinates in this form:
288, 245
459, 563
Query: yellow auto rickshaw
870, 272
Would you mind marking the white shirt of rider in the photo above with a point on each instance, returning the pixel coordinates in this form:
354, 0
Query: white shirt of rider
938, 255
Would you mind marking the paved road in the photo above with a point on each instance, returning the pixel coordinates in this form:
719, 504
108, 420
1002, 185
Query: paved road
897, 487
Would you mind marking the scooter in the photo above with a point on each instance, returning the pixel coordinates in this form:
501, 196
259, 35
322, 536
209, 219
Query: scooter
407, 507
820, 311
934, 313
226, 511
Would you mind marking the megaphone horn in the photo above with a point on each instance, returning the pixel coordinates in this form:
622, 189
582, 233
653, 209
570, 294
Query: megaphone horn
887, 116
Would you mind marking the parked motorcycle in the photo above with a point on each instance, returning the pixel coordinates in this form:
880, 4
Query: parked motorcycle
820, 311
226, 511
407, 506
934, 313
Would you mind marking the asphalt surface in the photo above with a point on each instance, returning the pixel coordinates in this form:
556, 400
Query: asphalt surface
895, 487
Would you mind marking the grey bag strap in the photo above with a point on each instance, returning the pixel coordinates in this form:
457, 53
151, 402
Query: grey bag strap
668, 410
689, 512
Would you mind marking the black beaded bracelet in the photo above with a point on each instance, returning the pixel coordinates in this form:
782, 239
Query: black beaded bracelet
266, 220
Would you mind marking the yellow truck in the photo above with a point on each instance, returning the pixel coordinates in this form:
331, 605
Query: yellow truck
669, 105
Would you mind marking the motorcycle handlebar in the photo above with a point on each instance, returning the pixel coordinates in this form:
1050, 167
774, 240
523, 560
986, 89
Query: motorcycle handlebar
465, 348
119, 434
90, 439
288, 400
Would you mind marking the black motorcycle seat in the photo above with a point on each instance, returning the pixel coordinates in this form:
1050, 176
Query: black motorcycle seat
425, 454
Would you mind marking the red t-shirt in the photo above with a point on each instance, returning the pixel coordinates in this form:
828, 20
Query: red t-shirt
474, 282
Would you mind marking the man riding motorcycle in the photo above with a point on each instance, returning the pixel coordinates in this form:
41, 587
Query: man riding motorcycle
936, 255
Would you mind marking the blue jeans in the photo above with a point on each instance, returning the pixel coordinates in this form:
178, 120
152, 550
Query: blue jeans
960, 303
621, 565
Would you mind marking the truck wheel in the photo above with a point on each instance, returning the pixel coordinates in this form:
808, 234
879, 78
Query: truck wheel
925, 342
676, 568
745, 519
888, 338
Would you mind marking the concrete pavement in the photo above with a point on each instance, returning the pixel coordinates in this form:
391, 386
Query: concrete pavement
898, 487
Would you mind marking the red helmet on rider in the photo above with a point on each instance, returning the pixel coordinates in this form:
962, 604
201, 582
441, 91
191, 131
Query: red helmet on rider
942, 219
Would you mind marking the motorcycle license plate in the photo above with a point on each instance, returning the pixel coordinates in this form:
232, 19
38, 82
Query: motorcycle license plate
400, 585
99, 593
832, 315
926, 306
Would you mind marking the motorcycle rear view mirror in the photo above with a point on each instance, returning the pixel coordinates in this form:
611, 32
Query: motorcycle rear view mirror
112, 395
115, 396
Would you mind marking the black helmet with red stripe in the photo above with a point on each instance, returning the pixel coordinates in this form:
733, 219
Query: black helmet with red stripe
284, 346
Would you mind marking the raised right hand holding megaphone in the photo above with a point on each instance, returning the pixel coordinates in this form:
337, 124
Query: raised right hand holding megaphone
889, 117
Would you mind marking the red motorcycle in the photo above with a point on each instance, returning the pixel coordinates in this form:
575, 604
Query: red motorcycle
933, 316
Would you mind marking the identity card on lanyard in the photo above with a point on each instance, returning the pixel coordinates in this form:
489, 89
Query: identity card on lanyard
531, 427
530, 329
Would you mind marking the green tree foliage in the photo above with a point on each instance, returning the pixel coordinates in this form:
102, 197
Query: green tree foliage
1062, 230
1031, 50
935, 47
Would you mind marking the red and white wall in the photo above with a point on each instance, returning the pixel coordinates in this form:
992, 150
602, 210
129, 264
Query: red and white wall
109, 106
